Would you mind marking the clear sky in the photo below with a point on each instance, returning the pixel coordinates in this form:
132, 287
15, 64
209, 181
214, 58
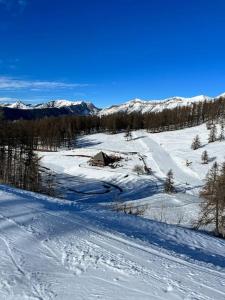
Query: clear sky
109, 51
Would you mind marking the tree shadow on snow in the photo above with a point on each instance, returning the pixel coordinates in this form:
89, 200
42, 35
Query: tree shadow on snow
84, 142
140, 233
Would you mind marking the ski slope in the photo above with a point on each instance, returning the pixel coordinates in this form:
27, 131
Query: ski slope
51, 249
75, 246
160, 152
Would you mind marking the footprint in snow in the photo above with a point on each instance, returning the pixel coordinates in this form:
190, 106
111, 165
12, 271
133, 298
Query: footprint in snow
169, 288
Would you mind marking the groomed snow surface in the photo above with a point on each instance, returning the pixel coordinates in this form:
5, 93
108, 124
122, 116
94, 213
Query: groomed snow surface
76, 247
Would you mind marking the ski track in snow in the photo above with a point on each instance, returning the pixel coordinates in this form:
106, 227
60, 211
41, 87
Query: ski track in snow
165, 162
73, 248
48, 254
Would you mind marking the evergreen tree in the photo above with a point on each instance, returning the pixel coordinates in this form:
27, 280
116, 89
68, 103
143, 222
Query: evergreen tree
169, 182
205, 157
212, 134
196, 143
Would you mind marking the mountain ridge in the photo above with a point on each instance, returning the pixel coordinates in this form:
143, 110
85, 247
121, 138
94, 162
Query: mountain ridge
84, 108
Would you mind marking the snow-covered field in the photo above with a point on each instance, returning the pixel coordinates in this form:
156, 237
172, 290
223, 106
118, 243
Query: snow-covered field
160, 152
76, 247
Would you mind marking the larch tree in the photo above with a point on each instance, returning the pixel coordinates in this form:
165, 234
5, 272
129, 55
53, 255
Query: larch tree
128, 134
213, 206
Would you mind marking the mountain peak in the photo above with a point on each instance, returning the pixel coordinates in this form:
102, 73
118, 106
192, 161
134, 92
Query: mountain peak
145, 106
19, 105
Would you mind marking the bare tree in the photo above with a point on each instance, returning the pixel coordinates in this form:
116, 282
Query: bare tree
209, 125
128, 134
213, 205
222, 134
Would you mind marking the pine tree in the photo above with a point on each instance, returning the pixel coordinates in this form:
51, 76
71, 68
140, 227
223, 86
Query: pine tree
212, 134
196, 143
169, 182
205, 157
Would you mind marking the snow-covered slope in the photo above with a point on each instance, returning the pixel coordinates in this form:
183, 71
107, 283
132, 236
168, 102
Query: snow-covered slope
141, 106
17, 104
53, 250
58, 104
80, 107
135, 105
78, 247
75, 107
160, 151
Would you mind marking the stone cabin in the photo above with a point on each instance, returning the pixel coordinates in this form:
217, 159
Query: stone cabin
101, 159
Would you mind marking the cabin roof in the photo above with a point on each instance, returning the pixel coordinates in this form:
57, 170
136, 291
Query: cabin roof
101, 156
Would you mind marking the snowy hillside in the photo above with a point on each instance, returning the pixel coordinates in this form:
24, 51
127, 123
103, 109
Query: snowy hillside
17, 105
58, 104
77, 246
75, 107
160, 152
85, 108
138, 105
53, 250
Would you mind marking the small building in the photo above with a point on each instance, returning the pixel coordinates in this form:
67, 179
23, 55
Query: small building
101, 159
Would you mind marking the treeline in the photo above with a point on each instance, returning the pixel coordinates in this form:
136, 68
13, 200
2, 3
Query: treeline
49, 134
54, 132
168, 119
19, 164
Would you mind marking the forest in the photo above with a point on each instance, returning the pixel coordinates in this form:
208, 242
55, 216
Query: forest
19, 164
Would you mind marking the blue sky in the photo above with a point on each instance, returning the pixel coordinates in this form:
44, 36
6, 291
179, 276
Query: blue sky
109, 51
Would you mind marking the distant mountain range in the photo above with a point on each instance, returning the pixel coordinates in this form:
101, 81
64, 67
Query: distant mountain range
56, 108
143, 106
18, 110
81, 107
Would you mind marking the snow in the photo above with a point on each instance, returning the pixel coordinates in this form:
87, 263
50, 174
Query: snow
135, 105
76, 107
143, 106
59, 103
161, 152
76, 246
17, 104
52, 250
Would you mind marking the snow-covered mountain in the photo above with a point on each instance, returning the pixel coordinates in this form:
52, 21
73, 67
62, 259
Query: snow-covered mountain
58, 104
79, 107
74, 107
17, 105
143, 106
87, 108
